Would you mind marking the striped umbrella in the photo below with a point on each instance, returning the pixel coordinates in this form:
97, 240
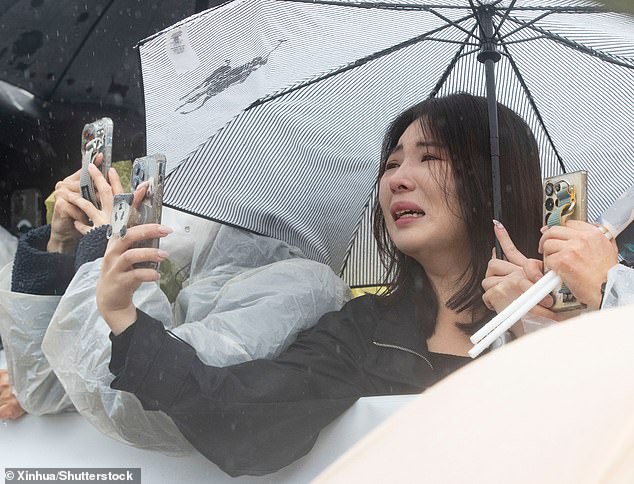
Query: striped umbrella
271, 112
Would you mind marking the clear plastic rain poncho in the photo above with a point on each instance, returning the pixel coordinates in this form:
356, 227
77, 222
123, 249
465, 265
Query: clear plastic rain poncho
619, 289
246, 297
8, 244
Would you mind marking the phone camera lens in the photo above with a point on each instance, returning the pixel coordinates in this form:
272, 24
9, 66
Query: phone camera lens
549, 204
549, 189
558, 187
546, 218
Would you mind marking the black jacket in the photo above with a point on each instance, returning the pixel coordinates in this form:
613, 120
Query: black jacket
258, 416
36, 271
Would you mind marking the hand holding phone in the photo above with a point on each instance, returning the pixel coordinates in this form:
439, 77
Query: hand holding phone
125, 213
565, 198
96, 138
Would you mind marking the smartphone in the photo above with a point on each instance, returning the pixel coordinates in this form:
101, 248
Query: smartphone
26, 210
96, 138
124, 215
565, 198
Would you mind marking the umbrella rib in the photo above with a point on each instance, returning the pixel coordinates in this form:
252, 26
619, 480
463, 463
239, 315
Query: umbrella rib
522, 27
504, 17
394, 6
450, 66
79, 48
455, 24
447, 41
528, 39
477, 17
379, 5
565, 9
533, 104
575, 45
357, 63
426, 7
469, 52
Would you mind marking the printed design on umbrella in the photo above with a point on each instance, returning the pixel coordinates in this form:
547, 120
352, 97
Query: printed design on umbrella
223, 78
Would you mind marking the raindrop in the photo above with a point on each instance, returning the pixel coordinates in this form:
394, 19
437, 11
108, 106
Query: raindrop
137, 14
28, 43
50, 76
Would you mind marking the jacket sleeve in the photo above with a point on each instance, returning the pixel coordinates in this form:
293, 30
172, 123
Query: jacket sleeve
30, 292
255, 417
234, 308
36, 271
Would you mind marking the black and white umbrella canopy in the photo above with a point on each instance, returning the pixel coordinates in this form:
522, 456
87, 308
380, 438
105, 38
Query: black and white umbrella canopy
271, 112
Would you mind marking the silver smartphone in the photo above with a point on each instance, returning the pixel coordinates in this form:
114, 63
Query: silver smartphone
124, 215
565, 198
96, 138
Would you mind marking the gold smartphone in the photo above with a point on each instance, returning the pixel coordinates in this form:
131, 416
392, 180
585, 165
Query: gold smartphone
565, 198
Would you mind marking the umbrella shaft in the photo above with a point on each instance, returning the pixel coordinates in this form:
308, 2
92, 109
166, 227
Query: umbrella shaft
494, 136
488, 42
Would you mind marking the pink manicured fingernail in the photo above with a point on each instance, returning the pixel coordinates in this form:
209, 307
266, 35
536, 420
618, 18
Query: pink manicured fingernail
498, 224
163, 230
162, 254
544, 229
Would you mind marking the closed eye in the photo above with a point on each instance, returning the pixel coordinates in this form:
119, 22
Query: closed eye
390, 165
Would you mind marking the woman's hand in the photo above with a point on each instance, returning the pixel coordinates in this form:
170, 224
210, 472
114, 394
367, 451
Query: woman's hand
10, 408
64, 236
105, 192
506, 280
71, 213
582, 256
119, 279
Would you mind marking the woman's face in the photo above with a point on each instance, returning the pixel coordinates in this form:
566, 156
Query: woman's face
418, 198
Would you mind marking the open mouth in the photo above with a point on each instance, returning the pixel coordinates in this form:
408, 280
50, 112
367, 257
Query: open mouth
408, 214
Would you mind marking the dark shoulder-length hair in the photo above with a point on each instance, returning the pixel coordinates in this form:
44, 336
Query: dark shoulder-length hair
460, 123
